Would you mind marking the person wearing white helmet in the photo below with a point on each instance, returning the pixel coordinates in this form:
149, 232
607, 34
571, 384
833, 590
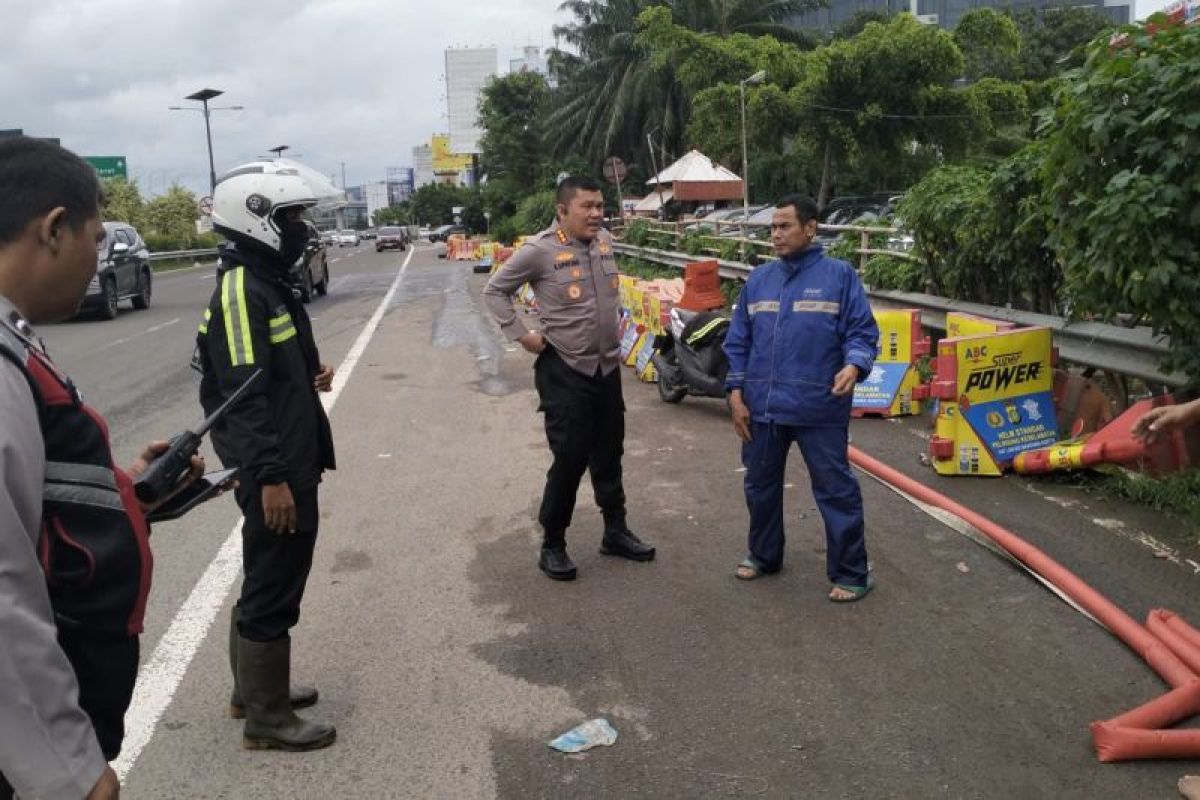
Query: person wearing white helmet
277, 436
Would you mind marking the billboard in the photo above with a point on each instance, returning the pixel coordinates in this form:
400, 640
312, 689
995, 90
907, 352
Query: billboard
467, 72
443, 159
108, 166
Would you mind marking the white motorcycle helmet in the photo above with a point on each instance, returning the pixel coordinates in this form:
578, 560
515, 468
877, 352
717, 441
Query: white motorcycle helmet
249, 201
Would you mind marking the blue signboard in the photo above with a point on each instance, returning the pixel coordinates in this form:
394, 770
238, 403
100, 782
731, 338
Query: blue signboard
878, 391
1012, 426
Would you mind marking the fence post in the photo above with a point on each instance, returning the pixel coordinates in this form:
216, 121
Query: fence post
864, 243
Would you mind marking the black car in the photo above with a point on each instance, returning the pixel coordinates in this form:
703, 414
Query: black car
122, 272
446, 231
392, 237
312, 273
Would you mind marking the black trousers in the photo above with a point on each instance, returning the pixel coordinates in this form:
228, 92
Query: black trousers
106, 672
276, 565
585, 427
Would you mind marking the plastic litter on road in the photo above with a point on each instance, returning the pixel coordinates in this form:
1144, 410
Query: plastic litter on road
586, 736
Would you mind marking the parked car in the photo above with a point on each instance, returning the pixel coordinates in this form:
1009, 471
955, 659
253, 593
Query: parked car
312, 273
864, 210
122, 272
348, 238
735, 230
706, 223
392, 238
446, 231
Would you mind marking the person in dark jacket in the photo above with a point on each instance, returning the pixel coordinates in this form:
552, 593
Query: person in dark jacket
277, 436
801, 336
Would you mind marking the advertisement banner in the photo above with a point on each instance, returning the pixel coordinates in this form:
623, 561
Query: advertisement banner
1005, 384
879, 389
445, 161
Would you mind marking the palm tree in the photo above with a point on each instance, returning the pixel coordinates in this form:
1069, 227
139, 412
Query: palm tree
610, 95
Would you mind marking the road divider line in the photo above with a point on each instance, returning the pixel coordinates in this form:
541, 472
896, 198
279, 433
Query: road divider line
160, 676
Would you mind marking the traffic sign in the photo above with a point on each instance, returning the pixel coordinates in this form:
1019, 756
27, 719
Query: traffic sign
205, 205
108, 166
614, 170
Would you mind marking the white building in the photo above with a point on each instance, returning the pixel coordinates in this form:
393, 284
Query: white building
422, 156
531, 60
467, 72
376, 195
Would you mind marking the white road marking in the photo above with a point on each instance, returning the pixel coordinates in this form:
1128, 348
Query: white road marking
125, 339
161, 675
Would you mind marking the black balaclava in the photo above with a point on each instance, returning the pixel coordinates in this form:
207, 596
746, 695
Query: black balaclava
293, 237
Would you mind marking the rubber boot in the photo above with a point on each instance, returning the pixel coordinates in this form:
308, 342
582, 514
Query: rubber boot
553, 559
619, 540
301, 696
271, 724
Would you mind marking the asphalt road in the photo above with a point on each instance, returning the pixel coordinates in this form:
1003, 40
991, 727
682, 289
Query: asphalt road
447, 661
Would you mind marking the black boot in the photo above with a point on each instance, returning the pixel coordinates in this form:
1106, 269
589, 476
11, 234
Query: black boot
554, 560
300, 696
263, 672
619, 540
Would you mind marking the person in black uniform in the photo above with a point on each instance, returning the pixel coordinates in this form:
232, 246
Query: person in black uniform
277, 436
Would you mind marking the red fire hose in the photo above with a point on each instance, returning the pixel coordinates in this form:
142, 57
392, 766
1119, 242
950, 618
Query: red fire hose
1167, 643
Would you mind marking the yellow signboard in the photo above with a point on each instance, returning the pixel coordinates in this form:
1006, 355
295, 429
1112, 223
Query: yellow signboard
995, 400
892, 388
443, 159
959, 324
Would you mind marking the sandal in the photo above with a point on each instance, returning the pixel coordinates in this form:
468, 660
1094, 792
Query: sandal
856, 592
753, 570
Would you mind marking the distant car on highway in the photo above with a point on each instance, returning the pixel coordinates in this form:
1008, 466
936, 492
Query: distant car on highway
311, 274
368, 234
329, 238
446, 231
122, 272
391, 238
348, 238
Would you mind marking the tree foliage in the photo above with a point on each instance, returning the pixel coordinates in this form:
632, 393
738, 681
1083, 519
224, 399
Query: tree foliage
990, 43
122, 201
1123, 156
1052, 39
512, 113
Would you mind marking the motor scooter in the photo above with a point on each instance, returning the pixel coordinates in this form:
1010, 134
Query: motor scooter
689, 357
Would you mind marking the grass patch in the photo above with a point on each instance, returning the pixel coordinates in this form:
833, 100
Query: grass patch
170, 265
1177, 495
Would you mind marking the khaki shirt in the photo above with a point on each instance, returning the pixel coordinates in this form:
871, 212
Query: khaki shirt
578, 297
47, 747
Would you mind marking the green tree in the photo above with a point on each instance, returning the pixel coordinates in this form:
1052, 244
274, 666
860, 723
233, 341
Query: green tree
535, 213
882, 92
858, 21
990, 43
122, 201
1123, 144
433, 203
511, 113
612, 90
1052, 39
171, 216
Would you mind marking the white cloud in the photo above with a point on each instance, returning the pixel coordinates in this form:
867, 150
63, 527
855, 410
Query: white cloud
358, 81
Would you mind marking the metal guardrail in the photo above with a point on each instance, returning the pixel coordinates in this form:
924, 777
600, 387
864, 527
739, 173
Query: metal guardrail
175, 254
1134, 352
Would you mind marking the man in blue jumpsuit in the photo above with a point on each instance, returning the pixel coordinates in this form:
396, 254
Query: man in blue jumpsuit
802, 335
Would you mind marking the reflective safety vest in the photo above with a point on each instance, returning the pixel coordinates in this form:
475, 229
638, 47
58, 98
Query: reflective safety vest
95, 543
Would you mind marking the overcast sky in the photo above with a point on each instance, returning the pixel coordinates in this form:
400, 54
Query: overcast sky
359, 81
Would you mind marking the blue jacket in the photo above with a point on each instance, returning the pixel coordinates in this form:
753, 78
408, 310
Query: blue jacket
797, 323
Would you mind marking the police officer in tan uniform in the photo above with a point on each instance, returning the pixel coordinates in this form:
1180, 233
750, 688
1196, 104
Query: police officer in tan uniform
573, 272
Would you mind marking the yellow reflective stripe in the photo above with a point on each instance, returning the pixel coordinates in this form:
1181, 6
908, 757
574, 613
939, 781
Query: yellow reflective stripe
282, 336
204, 324
247, 343
237, 320
280, 322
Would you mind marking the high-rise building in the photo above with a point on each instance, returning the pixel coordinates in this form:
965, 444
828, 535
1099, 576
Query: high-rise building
947, 13
422, 157
467, 72
400, 184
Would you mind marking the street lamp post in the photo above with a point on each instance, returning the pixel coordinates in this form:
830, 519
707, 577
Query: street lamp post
756, 78
202, 97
